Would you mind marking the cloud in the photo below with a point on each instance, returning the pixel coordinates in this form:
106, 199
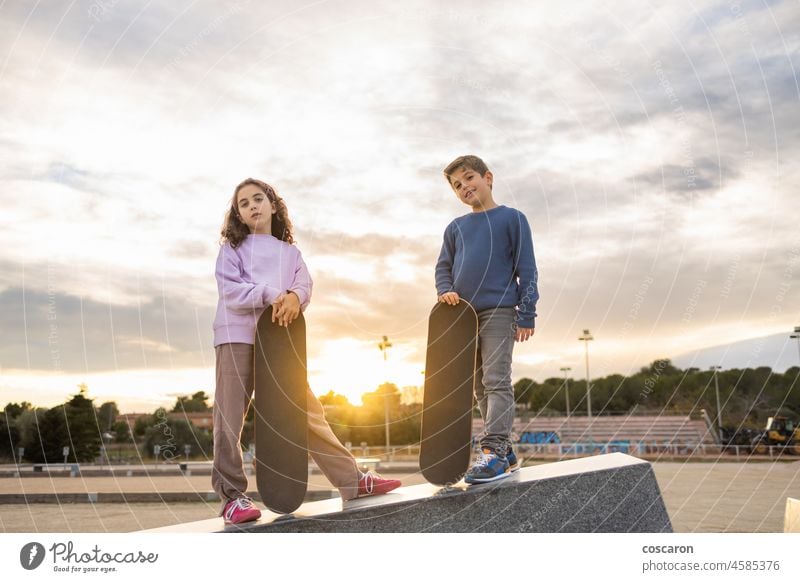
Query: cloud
642, 143
706, 175
54, 332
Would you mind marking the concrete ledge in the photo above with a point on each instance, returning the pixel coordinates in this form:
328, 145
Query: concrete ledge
607, 493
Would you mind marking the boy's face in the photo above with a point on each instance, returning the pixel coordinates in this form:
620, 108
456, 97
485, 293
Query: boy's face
472, 188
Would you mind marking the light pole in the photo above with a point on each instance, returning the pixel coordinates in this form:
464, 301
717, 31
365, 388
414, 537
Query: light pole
716, 369
384, 347
566, 369
796, 335
586, 338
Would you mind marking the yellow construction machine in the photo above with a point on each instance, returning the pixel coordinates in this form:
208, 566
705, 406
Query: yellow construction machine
781, 433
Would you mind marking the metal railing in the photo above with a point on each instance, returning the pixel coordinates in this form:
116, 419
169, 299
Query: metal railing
649, 448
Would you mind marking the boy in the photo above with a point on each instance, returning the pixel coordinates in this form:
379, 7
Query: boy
487, 258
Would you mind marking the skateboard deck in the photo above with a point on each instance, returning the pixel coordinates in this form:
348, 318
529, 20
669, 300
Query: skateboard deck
450, 361
281, 421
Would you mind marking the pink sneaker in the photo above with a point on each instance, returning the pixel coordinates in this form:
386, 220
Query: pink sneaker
373, 484
240, 510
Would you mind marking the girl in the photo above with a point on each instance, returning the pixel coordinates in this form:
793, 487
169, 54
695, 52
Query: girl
258, 265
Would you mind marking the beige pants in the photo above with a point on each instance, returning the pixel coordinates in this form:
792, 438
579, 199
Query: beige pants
231, 401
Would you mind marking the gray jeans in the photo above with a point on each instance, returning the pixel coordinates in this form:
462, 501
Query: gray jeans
493, 389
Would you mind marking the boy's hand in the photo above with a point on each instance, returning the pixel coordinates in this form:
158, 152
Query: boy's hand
451, 298
285, 309
524, 333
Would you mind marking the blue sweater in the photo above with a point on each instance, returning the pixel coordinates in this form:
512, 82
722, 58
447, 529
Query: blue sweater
487, 258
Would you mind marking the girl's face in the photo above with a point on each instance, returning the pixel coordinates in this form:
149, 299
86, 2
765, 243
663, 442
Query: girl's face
255, 209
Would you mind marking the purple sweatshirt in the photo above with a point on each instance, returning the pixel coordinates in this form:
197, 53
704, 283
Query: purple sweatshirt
250, 278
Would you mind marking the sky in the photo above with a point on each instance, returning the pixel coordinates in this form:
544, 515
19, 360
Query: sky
652, 146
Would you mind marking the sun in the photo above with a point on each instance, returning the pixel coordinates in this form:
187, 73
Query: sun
352, 367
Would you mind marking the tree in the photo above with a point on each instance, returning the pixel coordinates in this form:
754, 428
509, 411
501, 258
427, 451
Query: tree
377, 399
13, 410
197, 402
523, 389
662, 367
791, 388
334, 399
412, 395
543, 397
73, 425
122, 432
27, 424
84, 431
52, 436
370, 419
147, 420
9, 439
340, 416
107, 415
10, 435
172, 435
406, 428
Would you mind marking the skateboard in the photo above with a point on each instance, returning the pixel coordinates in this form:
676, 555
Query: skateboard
281, 421
450, 361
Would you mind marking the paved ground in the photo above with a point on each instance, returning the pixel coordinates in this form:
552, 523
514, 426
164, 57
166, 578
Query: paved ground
727, 497
700, 497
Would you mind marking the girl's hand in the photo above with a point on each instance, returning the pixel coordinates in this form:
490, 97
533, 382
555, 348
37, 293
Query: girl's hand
286, 309
276, 306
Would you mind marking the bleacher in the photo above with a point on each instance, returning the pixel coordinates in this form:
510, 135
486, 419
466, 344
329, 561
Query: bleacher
660, 429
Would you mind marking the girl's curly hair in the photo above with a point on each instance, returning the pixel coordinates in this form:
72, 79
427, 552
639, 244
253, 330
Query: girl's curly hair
235, 231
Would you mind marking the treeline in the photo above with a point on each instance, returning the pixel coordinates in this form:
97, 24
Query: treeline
747, 396
86, 430
366, 423
43, 433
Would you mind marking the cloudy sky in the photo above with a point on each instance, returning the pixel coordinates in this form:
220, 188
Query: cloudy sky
652, 147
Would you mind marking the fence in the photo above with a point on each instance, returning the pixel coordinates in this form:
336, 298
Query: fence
649, 448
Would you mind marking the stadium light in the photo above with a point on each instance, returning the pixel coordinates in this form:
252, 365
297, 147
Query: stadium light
586, 338
716, 369
566, 369
796, 335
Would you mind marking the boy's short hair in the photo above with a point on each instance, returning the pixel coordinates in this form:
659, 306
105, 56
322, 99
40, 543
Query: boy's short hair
473, 163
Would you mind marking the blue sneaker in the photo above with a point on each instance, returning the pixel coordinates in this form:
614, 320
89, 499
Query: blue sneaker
488, 467
513, 463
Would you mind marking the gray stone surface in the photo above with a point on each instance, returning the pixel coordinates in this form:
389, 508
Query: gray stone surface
606, 493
